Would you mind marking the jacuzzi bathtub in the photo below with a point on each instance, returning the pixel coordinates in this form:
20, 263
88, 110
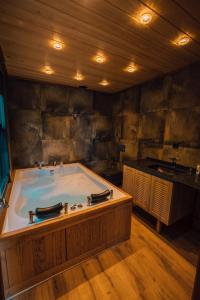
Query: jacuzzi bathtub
31, 253
46, 187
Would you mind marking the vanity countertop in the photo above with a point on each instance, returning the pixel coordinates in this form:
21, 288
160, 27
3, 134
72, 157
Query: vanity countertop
187, 177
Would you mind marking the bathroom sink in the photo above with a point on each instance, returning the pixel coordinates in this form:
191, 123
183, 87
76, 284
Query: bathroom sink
168, 170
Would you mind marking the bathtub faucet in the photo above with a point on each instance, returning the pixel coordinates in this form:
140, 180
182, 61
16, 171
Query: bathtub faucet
39, 164
3, 203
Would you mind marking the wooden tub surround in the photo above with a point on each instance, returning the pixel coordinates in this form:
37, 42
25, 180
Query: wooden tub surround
145, 267
35, 253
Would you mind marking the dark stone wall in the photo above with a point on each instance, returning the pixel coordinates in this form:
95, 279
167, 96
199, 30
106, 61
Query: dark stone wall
149, 118
51, 122
153, 116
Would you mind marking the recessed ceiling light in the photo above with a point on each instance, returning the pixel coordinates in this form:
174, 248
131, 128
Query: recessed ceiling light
182, 40
48, 70
100, 58
132, 67
79, 76
104, 82
57, 45
145, 18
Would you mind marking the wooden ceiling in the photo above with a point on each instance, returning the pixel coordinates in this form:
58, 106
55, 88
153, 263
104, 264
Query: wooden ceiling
87, 26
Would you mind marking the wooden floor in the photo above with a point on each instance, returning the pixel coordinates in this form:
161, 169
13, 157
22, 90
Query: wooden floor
145, 267
181, 236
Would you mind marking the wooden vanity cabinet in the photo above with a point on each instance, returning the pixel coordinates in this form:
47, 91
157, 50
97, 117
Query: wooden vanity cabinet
165, 200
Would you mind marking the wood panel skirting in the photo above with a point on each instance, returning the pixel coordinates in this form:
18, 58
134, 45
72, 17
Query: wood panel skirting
33, 257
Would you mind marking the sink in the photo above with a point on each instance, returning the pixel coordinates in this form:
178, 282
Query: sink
168, 170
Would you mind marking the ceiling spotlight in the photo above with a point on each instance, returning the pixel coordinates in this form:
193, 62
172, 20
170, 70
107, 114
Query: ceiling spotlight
57, 45
104, 82
182, 40
100, 58
132, 67
145, 18
79, 76
48, 70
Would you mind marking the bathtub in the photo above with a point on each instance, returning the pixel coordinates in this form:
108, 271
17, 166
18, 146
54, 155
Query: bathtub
48, 186
33, 252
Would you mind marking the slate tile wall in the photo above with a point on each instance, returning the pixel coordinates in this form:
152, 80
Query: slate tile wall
150, 117
51, 122
57, 122
126, 118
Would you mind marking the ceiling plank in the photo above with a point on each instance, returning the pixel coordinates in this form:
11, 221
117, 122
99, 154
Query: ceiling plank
165, 30
175, 15
40, 19
26, 28
191, 7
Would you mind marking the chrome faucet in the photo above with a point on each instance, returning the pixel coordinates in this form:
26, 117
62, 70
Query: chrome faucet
174, 161
3, 203
39, 164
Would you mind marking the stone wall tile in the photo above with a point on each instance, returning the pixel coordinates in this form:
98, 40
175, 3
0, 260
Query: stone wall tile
101, 128
106, 150
103, 103
150, 150
80, 101
185, 92
152, 126
117, 122
81, 127
131, 150
185, 156
130, 126
54, 99
183, 125
23, 94
117, 108
26, 132
55, 127
154, 94
81, 150
57, 150
130, 99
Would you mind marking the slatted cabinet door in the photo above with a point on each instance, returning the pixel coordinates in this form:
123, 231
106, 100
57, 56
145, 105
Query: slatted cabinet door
142, 189
128, 180
160, 200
